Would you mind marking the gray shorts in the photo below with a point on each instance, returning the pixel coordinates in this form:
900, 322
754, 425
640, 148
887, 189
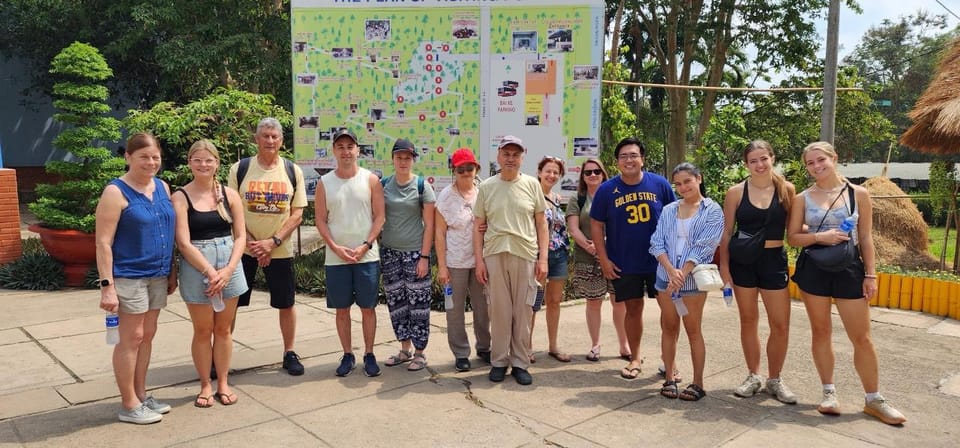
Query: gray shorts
217, 252
139, 295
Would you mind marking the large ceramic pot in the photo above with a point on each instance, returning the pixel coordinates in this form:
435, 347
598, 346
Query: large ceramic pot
76, 250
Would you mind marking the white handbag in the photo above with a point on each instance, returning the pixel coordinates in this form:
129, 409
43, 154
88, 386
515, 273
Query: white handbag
707, 277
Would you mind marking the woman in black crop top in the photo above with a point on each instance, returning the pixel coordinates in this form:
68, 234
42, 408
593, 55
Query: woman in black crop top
211, 236
759, 204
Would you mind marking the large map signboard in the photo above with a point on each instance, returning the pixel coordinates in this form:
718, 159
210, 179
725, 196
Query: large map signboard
446, 74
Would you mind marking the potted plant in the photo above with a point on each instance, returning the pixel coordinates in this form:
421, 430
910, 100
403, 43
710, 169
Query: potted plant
66, 209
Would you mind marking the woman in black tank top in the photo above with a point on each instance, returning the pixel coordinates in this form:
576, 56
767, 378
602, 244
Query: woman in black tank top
760, 204
211, 236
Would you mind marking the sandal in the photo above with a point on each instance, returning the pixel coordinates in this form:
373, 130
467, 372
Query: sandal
418, 362
670, 390
663, 374
533, 359
630, 373
401, 357
562, 357
693, 392
206, 403
226, 399
594, 354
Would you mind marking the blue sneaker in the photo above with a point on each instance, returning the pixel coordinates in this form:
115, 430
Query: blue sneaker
347, 364
370, 367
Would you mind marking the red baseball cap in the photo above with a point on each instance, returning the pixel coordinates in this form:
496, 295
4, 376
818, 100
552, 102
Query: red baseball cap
462, 156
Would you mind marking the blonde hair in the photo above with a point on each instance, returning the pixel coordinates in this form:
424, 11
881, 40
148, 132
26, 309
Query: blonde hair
828, 149
778, 180
208, 146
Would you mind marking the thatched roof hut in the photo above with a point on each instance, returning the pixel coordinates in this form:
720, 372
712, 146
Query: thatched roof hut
936, 116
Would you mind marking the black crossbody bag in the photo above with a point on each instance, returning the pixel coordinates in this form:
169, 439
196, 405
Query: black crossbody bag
838, 257
745, 248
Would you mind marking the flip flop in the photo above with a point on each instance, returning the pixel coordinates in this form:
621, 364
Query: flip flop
594, 354
207, 401
226, 399
630, 373
562, 357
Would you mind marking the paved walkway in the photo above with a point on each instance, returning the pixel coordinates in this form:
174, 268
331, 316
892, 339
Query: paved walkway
57, 389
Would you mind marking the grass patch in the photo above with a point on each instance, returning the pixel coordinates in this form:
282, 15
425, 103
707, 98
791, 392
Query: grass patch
936, 243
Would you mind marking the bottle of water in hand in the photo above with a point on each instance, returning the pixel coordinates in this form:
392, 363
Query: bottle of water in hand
727, 294
447, 297
848, 224
677, 300
113, 329
217, 300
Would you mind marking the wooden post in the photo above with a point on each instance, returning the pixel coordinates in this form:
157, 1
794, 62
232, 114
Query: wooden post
10, 246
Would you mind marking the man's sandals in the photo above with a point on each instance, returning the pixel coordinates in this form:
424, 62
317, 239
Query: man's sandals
692, 392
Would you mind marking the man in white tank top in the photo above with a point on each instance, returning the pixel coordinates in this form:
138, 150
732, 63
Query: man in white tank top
350, 214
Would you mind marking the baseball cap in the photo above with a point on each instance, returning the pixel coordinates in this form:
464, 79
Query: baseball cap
463, 156
345, 132
402, 145
511, 140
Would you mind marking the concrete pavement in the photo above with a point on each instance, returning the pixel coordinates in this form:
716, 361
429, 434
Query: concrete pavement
57, 387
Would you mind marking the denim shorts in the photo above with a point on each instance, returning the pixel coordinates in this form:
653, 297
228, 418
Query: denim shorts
353, 283
662, 286
557, 264
217, 252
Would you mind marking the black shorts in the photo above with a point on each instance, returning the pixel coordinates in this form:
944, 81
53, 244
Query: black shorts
632, 286
280, 281
768, 272
846, 284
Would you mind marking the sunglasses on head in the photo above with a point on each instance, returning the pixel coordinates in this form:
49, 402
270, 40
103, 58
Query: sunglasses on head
465, 169
594, 172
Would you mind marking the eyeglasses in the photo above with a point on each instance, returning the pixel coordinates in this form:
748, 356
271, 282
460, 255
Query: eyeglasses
631, 156
465, 169
551, 159
203, 161
596, 172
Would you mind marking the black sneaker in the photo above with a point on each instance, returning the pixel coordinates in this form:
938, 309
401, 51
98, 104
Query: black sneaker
347, 364
522, 376
497, 374
462, 365
370, 367
484, 355
291, 363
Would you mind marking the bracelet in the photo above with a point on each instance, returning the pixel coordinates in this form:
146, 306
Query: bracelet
425, 257
815, 239
870, 276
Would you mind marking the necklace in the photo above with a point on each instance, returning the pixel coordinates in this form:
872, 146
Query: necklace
823, 190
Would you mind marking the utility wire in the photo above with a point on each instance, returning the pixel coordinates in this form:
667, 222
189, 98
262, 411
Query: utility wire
948, 9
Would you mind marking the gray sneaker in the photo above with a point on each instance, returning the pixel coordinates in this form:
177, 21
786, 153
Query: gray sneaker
156, 406
749, 387
830, 405
880, 409
780, 391
141, 415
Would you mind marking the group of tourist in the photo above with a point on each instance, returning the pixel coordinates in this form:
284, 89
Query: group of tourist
501, 244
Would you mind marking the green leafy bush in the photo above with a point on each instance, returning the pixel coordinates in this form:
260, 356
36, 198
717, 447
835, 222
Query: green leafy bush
33, 271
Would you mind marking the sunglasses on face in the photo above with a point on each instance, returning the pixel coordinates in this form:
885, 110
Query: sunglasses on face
465, 169
595, 172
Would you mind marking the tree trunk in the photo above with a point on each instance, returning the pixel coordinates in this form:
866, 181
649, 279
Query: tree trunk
615, 39
718, 60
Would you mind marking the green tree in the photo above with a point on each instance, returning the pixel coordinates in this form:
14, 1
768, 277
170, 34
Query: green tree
79, 98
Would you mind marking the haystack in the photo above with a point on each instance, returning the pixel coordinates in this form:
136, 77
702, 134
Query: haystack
899, 232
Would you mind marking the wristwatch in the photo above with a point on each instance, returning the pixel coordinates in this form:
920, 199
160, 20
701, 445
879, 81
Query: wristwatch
277, 241
425, 257
369, 244
104, 282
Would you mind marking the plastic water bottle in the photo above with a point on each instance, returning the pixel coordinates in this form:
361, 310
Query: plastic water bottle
727, 294
217, 300
447, 297
678, 303
847, 225
113, 329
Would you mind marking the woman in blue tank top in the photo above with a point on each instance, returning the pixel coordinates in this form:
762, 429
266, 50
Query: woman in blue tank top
135, 232
211, 235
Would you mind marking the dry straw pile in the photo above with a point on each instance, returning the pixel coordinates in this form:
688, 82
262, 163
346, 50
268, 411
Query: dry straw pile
899, 231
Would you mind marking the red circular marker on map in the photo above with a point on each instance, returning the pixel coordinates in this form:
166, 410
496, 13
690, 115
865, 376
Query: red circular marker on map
446, 47
423, 117
443, 114
431, 179
438, 80
429, 57
429, 68
438, 90
439, 149
429, 47
439, 68
400, 99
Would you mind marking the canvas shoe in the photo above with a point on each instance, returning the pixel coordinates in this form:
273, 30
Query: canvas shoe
780, 391
140, 415
156, 406
882, 410
749, 387
830, 405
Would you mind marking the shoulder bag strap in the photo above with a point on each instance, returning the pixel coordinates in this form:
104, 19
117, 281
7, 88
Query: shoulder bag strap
845, 186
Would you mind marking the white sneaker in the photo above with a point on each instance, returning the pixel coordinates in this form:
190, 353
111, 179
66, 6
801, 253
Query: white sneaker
156, 406
830, 405
141, 415
879, 408
780, 391
749, 387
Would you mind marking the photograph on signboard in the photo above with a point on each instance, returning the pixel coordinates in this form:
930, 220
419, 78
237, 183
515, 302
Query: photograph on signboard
377, 30
299, 47
342, 53
560, 39
308, 122
585, 72
536, 66
306, 79
585, 147
465, 29
524, 42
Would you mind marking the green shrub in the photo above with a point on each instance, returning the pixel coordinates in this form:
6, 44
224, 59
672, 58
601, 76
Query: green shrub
33, 271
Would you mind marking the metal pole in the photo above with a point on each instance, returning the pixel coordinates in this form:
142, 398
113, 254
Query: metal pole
828, 118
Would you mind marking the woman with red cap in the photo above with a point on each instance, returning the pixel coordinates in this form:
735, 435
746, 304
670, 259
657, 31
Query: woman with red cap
454, 243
